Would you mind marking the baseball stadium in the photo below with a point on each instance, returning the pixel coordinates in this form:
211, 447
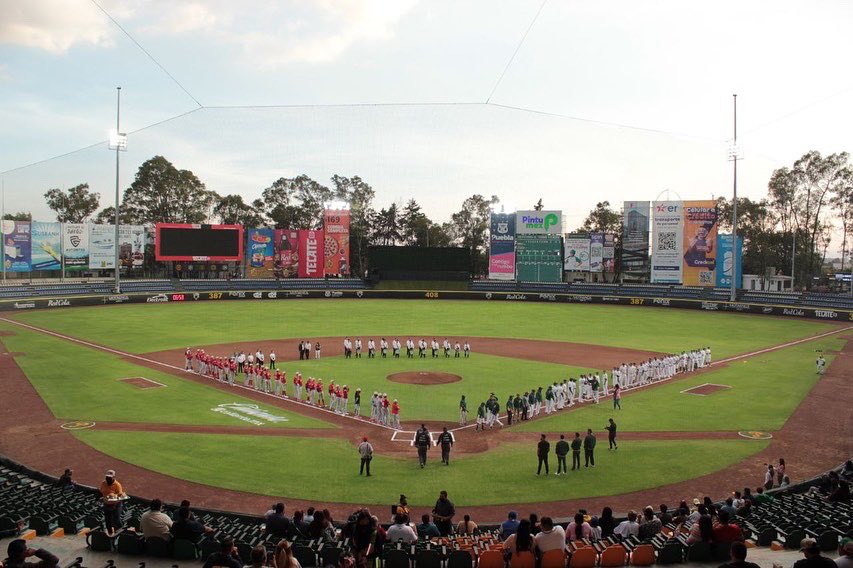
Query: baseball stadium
354, 374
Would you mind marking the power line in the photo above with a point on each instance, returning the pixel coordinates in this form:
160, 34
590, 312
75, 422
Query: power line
799, 110
514, 53
343, 105
145, 51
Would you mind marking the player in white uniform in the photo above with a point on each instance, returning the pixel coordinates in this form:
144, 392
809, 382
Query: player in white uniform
395, 346
383, 347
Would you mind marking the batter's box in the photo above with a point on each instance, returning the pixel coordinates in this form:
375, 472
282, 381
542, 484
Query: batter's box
705, 389
142, 382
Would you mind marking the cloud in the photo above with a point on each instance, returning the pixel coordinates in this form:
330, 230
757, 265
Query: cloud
185, 18
53, 25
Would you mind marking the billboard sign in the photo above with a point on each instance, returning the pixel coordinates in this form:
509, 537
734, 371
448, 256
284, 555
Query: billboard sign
336, 242
538, 258
667, 242
635, 236
539, 222
726, 257
46, 245
700, 236
102, 246
131, 242
75, 246
577, 250
596, 252
188, 242
312, 253
16, 245
286, 252
608, 256
261, 250
502, 246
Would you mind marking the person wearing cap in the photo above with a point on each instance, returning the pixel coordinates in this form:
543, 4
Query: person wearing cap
111, 492
813, 557
18, 553
365, 451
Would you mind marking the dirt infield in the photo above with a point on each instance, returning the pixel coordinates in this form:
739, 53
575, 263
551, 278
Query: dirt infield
30, 434
424, 378
142, 383
706, 389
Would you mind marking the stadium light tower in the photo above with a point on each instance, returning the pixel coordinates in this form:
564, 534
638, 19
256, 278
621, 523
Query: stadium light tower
734, 155
118, 142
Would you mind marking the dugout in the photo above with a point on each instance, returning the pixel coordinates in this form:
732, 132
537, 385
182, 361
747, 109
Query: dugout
419, 263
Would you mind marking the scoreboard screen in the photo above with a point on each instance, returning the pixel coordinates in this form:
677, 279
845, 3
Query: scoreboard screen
186, 242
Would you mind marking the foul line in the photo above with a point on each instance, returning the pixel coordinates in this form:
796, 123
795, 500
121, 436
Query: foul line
363, 420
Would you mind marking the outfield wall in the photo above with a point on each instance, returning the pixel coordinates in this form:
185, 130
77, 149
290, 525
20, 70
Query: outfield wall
172, 297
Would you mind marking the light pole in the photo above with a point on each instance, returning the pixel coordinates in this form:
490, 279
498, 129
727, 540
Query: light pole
118, 142
734, 156
2, 221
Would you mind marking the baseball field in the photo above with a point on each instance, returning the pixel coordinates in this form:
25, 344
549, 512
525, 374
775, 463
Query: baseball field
114, 376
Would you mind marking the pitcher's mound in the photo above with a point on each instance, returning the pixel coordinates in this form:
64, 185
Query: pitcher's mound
424, 378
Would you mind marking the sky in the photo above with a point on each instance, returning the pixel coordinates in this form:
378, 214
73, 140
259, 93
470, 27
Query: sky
433, 100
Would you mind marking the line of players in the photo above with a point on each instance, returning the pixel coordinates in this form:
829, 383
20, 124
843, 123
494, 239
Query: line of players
355, 348
274, 381
588, 387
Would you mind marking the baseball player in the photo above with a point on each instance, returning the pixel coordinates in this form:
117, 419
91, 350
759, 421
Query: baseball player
434, 347
395, 345
317, 351
457, 350
395, 415
344, 398
383, 346
463, 411
356, 399
358, 348
422, 348
371, 348
466, 348
446, 346
410, 348
188, 358
347, 348
820, 363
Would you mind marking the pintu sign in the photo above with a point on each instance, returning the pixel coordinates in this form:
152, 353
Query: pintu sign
539, 222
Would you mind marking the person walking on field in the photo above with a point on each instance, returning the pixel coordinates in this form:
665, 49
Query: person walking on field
617, 397
562, 450
589, 448
422, 442
542, 450
365, 451
446, 441
611, 435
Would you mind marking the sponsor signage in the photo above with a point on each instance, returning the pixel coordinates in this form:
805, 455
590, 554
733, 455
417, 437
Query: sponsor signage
16, 245
261, 249
700, 239
286, 252
312, 254
596, 252
538, 258
46, 246
102, 246
159, 298
577, 251
539, 222
131, 242
336, 241
24, 305
667, 242
75, 246
728, 256
502, 246
60, 303
635, 236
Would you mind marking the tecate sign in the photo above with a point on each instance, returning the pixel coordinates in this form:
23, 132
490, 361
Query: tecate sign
827, 314
311, 251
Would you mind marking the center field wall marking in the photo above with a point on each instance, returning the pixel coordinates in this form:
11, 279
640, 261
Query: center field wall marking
360, 419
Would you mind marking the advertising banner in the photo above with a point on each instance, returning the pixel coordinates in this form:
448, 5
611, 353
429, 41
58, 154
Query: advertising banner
336, 243
131, 242
667, 242
727, 256
102, 247
75, 246
577, 253
608, 255
538, 259
502, 246
260, 250
539, 223
16, 245
635, 236
286, 261
311, 253
596, 252
46, 246
700, 236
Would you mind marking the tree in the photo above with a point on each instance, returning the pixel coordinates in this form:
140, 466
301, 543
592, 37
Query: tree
764, 246
161, 193
602, 219
385, 227
538, 206
295, 203
232, 210
359, 195
842, 204
19, 216
74, 205
107, 216
469, 228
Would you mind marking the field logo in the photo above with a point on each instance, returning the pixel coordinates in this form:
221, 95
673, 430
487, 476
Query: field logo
827, 314
25, 305
250, 413
58, 303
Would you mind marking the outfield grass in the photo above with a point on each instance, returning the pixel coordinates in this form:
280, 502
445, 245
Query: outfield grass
327, 470
81, 383
766, 389
144, 328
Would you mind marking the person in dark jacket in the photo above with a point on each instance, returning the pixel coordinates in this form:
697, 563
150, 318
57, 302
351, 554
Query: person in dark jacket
18, 553
562, 450
227, 556
187, 527
577, 443
278, 524
542, 450
589, 448
607, 522
611, 435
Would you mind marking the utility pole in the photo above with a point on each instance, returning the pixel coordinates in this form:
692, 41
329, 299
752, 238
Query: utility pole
734, 157
118, 142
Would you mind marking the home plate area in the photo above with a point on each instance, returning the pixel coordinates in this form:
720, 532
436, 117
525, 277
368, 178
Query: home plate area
705, 389
142, 382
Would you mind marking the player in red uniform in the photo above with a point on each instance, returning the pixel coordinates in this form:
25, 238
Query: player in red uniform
395, 414
385, 405
345, 400
318, 387
188, 358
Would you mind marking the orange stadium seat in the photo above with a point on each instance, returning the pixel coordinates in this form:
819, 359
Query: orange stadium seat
614, 555
643, 555
491, 559
523, 560
583, 558
554, 559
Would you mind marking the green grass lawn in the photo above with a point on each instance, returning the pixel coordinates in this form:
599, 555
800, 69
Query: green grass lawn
80, 383
291, 467
144, 328
765, 391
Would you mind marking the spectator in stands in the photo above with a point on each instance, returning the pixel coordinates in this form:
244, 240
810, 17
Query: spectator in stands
366, 538
283, 557
534, 523
258, 557
847, 471
839, 490
738, 557
845, 553
226, 557
320, 528
155, 523
111, 493
185, 504
650, 525
443, 513
762, 497
745, 510
309, 515
403, 507
664, 515
747, 495
551, 537
737, 501
300, 527
401, 531
18, 553
729, 507
628, 527
701, 531
578, 529
607, 522
510, 525
278, 524
187, 527
786, 481
65, 479
726, 531
427, 528
697, 514
466, 526
519, 541
596, 529
813, 557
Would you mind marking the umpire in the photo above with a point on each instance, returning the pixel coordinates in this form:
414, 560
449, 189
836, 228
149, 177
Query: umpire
422, 441
446, 441
542, 450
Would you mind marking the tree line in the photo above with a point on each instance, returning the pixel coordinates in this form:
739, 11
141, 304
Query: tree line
805, 204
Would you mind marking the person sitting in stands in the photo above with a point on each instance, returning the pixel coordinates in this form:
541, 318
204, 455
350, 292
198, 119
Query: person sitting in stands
187, 527
18, 552
650, 525
551, 537
427, 528
738, 557
155, 523
466, 526
401, 531
701, 531
227, 557
726, 532
629, 527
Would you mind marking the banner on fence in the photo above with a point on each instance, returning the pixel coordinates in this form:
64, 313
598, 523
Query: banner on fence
502, 246
336, 242
286, 261
16, 245
75, 246
608, 256
667, 242
635, 236
46, 245
596, 252
726, 257
311, 253
102, 248
131, 243
577, 249
700, 236
539, 223
261, 250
